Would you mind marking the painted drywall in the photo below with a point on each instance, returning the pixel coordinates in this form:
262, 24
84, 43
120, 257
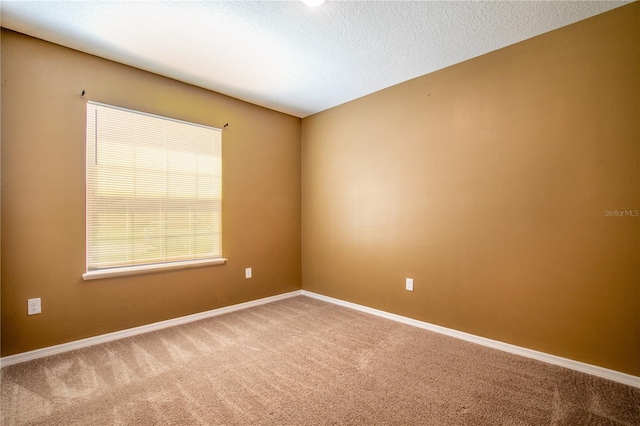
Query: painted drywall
43, 175
506, 186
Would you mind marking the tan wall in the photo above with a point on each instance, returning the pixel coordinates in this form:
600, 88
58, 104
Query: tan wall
487, 182
43, 198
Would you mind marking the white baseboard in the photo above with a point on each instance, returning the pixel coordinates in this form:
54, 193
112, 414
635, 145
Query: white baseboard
594, 370
90, 341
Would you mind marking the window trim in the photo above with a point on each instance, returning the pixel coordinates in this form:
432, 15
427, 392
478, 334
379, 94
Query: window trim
151, 268
121, 271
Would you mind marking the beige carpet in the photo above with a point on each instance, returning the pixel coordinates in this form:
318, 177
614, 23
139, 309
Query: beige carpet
301, 361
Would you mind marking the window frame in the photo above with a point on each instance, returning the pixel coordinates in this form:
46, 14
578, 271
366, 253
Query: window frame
144, 268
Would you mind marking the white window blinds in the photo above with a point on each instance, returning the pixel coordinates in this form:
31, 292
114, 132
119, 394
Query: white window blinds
153, 191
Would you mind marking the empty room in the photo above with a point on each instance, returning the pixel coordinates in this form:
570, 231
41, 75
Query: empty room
309, 213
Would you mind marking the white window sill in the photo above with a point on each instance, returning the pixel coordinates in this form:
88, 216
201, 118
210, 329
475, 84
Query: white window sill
146, 269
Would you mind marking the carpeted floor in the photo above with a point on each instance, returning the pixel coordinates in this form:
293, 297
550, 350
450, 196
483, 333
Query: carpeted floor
301, 361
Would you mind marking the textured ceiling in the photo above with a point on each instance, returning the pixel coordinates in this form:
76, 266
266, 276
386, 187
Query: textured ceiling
285, 55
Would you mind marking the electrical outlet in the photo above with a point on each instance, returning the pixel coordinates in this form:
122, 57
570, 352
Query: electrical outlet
409, 284
247, 273
34, 306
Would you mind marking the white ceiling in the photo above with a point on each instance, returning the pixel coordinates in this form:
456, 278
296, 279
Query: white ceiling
284, 55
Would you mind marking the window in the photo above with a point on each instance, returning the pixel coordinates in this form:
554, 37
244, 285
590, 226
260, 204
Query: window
153, 193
